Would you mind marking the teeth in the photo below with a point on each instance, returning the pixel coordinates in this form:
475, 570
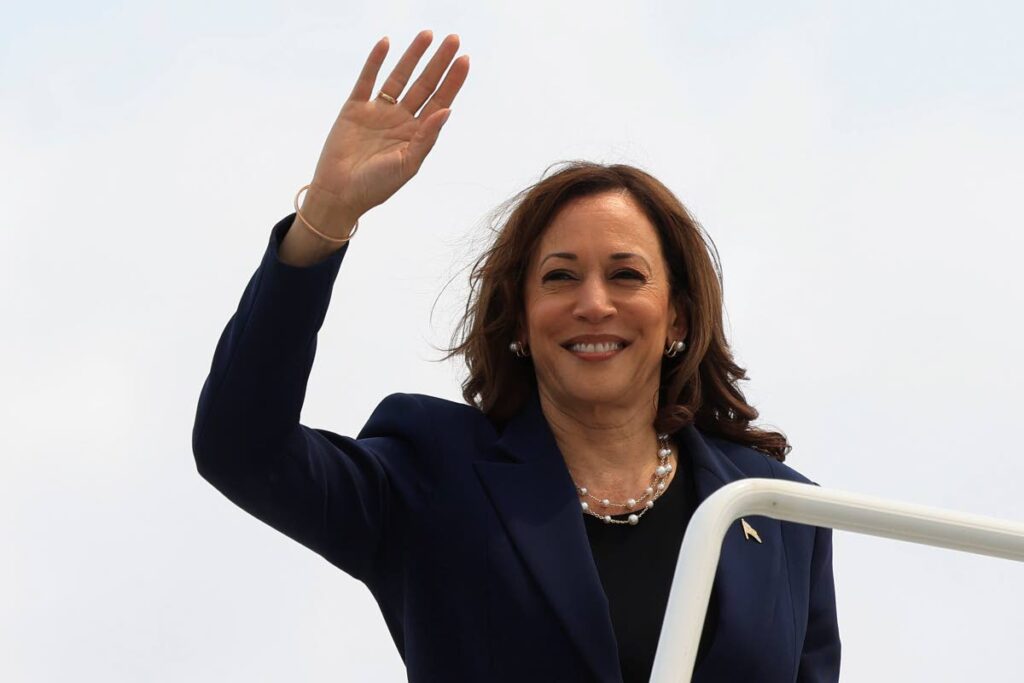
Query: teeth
603, 347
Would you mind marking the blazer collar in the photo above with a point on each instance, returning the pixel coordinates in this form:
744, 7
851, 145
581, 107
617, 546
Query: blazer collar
537, 502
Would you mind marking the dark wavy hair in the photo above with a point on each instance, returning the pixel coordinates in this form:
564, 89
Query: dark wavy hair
699, 386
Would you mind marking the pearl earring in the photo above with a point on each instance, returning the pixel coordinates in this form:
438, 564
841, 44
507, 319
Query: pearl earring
675, 348
518, 349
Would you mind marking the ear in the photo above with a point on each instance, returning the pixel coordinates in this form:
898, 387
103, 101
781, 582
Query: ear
678, 325
521, 333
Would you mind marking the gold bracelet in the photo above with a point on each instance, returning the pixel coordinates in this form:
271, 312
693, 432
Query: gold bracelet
302, 218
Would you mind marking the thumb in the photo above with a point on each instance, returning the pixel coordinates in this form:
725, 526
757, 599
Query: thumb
424, 140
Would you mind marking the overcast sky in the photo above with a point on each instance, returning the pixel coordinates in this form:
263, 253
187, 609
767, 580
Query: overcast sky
858, 166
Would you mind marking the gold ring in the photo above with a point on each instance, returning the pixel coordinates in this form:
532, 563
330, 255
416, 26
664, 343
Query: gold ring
383, 95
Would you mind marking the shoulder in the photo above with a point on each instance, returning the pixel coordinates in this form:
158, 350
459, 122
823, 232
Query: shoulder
804, 542
424, 405
420, 414
425, 436
754, 463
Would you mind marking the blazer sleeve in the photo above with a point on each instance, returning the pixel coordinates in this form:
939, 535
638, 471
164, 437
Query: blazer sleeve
819, 660
330, 493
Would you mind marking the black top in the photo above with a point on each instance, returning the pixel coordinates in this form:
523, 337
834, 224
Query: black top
636, 564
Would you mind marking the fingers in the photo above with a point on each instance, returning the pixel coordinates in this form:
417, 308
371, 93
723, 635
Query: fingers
425, 137
402, 72
445, 95
368, 76
425, 84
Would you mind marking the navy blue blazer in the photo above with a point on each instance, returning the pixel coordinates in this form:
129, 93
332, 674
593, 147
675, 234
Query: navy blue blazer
470, 536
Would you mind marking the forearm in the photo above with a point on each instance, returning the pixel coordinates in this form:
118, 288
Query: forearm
255, 390
301, 247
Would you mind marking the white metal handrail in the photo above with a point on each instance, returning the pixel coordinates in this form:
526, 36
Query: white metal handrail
806, 504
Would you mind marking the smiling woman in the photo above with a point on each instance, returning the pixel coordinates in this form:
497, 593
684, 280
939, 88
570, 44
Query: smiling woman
530, 533
609, 293
593, 248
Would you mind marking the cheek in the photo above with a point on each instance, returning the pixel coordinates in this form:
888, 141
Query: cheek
543, 318
651, 315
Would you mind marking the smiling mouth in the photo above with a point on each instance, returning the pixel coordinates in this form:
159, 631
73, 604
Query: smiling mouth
602, 347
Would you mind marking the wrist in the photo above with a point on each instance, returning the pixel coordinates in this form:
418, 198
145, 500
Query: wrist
328, 215
301, 247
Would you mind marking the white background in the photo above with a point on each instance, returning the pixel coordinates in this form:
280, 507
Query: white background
857, 164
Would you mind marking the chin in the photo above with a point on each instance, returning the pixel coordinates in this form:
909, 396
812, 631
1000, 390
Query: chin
598, 393
589, 383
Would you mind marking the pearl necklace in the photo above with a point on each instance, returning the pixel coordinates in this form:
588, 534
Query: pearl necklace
653, 491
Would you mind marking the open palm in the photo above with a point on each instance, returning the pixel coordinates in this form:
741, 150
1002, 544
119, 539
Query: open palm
374, 146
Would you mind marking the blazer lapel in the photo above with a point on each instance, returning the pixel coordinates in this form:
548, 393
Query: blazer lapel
537, 502
746, 586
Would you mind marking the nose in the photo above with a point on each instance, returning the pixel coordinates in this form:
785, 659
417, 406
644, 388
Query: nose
593, 302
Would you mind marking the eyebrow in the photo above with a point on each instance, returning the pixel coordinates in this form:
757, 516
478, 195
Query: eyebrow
617, 256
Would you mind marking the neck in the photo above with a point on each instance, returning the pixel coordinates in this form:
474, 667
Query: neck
609, 449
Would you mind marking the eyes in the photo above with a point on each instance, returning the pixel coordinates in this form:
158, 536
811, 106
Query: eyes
621, 274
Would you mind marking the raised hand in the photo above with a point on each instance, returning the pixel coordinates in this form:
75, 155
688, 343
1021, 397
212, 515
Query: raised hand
374, 146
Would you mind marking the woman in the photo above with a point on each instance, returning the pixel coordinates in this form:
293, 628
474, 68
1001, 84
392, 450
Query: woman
531, 534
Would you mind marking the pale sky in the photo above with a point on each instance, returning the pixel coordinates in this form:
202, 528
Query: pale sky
858, 166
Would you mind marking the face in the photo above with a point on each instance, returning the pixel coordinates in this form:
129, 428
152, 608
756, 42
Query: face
598, 308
